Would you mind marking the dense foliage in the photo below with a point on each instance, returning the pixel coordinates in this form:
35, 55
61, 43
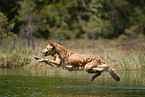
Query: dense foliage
71, 19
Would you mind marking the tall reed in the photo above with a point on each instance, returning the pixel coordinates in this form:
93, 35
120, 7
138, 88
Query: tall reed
16, 53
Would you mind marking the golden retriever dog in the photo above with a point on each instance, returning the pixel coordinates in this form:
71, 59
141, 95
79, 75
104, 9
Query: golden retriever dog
73, 61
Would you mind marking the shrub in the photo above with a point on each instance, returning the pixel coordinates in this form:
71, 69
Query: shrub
122, 38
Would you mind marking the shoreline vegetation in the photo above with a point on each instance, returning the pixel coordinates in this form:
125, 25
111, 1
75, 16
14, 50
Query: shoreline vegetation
126, 55
113, 30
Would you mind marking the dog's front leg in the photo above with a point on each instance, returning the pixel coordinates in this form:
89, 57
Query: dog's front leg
40, 59
54, 63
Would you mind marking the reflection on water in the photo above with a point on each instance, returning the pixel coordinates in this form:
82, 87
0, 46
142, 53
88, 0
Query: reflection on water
62, 83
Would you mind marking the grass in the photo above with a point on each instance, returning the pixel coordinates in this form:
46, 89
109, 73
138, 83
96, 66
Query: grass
121, 56
14, 54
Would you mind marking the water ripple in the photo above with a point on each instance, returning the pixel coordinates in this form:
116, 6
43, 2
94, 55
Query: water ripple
97, 87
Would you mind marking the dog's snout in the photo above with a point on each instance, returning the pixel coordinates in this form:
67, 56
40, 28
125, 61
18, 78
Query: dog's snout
46, 54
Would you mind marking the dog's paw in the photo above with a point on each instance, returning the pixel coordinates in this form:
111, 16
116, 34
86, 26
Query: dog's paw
40, 60
37, 58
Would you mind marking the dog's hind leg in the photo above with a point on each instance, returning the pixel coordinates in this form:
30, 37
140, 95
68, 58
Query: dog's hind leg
90, 69
98, 73
105, 67
113, 74
95, 68
102, 67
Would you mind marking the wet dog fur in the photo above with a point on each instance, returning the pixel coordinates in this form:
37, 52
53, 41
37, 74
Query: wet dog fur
73, 61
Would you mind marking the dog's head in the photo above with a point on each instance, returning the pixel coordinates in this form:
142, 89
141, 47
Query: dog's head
49, 49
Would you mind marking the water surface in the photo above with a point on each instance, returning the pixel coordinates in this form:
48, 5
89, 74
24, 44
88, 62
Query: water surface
58, 82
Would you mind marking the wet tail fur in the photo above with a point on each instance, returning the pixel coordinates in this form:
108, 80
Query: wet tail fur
114, 75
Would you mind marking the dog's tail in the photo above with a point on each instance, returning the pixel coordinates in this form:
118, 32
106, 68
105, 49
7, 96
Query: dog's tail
113, 74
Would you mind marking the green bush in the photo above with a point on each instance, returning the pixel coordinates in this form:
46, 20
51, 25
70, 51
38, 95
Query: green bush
122, 38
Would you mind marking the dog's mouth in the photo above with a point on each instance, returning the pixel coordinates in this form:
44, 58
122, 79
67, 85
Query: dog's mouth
46, 53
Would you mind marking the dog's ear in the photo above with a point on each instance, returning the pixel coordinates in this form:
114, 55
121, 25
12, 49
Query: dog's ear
51, 43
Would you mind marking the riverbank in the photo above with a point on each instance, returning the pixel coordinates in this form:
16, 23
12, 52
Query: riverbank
127, 55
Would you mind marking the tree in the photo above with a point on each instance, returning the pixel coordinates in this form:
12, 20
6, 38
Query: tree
27, 15
96, 26
5, 27
137, 19
66, 19
125, 14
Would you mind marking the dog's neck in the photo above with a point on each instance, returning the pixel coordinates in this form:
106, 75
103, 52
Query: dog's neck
62, 52
53, 53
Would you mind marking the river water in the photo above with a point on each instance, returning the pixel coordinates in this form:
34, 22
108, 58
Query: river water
58, 82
